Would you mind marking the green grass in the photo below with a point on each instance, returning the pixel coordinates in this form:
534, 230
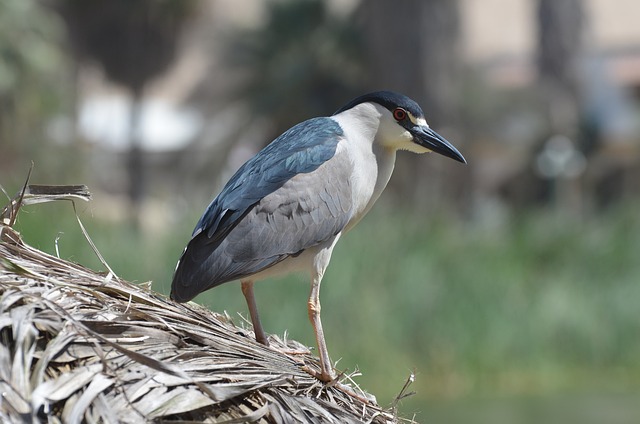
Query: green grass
546, 304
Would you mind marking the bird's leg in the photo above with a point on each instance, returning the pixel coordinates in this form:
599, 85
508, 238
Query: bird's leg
261, 336
247, 291
326, 371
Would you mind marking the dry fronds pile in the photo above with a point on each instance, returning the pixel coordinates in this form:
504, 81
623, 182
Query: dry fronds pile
78, 346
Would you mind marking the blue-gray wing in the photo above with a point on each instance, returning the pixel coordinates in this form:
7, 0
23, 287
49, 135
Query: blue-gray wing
278, 211
299, 150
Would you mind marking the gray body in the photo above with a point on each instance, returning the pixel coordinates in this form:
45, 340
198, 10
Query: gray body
285, 209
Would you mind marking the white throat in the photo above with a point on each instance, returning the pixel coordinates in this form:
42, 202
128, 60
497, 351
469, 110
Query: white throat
372, 159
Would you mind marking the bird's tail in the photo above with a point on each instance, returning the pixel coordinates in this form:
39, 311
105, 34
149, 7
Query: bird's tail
204, 264
196, 269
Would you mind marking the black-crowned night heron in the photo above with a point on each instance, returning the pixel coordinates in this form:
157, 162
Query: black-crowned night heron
286, 208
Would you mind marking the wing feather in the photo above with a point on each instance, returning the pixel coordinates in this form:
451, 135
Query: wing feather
273, 208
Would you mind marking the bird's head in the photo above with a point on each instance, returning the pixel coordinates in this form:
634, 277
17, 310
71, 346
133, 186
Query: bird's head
400, 124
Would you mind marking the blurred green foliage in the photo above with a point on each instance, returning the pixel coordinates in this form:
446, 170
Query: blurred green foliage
544, 304
28, 53
36, 86
302, 62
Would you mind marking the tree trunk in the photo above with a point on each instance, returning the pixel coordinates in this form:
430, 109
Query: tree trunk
413, 47
560, 50
135, 161
560, 29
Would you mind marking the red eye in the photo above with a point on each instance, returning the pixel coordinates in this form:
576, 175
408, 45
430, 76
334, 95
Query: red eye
399, 114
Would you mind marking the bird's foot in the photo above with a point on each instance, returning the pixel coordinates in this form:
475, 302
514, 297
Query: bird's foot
327, 377
332, 380
363, 397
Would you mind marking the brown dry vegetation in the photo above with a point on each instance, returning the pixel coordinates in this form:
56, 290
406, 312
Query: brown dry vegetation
80, 346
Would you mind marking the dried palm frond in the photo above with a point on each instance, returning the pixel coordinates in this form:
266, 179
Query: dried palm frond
79, 346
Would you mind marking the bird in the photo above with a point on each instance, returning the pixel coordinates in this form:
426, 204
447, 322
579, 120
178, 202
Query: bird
285, 209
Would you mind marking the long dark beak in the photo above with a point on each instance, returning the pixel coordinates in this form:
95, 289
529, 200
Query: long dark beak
433, 141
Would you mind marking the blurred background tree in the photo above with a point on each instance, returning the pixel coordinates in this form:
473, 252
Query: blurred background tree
414, 47
560, 51
134, 42
303, 61
509, 284
34, 82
